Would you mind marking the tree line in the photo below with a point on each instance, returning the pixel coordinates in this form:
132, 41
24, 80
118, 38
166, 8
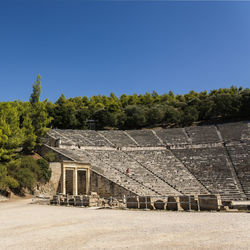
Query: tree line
23, 124
150, 110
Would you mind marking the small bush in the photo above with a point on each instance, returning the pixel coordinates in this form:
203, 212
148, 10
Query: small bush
50, 156
46, 171
26, 178
32, 164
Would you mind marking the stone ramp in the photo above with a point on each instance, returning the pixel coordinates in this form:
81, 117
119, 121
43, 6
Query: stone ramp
165, 165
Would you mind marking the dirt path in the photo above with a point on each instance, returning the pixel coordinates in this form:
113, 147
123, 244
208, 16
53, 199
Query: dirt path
27, 226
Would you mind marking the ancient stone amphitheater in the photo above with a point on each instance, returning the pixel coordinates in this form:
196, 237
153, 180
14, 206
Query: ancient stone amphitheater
162, 162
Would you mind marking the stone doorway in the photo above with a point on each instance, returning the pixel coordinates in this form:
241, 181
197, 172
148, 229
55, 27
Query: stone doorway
75, 178
81, 181
69, 181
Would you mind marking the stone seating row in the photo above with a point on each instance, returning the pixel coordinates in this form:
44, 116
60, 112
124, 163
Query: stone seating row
108, 171
235, 131
203, 134
240, 155
118, 138
165, 165
145, 138
149, 138
150, 171
125, 164
210, 166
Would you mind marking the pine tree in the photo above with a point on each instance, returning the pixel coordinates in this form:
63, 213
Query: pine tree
35, 96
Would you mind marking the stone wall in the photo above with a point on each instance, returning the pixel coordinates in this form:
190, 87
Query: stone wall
98, 183
106, 188
53, 186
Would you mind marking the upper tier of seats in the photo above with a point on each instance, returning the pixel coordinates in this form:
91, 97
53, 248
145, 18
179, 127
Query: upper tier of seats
173, 136
203, 134
235, 131
145, 138
154, 138
118, 138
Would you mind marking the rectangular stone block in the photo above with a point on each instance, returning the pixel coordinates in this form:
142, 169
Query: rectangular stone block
209, 202
145, 202
78, 200
132, 202
189, 202
172, 203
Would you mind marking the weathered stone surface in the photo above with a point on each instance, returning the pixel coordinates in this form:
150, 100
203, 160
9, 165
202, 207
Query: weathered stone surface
166, 162
240, 155
172, 203
167, 167
190, 202
145, 202
211, 167
209, 202
202, 134
132, 202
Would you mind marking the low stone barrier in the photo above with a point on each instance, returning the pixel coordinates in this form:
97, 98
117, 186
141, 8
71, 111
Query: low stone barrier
172, 203
190, 202
132, 202
145, 202
209, 202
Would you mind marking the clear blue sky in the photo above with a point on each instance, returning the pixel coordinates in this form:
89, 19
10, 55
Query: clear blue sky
97, 47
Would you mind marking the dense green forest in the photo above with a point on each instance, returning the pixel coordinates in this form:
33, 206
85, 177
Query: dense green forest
23, 124
150, 110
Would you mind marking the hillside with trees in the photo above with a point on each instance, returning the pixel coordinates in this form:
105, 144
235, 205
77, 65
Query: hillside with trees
23, 124
150, 110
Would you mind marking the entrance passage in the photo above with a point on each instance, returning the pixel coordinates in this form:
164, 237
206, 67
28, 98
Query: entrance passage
75, 178
69, 182
81, 181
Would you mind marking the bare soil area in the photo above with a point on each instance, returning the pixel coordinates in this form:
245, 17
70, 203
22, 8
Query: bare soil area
28, 226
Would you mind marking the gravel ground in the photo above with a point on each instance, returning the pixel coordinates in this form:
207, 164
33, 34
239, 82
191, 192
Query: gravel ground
28, 226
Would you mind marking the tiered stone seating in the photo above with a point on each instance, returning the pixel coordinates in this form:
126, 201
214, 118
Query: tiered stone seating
234, 131
210, 166
121, 161
112, 173
203, 134
240, 155
153, 168
145, 138
173, 136
165, 165
64, 137
75, 137
118, 138
94, 138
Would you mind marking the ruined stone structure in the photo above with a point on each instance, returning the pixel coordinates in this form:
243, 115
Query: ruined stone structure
206, 160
